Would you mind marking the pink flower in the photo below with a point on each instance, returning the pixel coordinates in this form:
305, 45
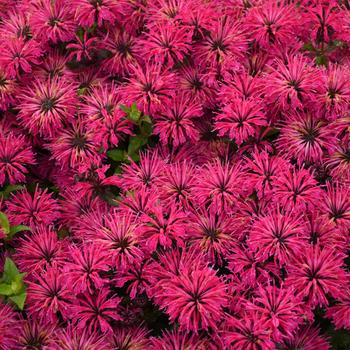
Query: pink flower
16, 156
166, 43
88, 12
32, 209
177, 183
175, 123
150, 87
53, 21
123, 48
143, 175
307, 338
132, 338
96, 312
333, 94
38, 333
84, 268
249, 332
297, 189
305, 137
40, 250
223, 45
281, 307
75, 146
46, 106
336, 204
240, 120
316, 274
276, 235
72, 338
213, 233
10, 327
262, 172
18, 56
219, 185
271, 24
119, 239
83, 48
162, 227
291, 84
49, 295
194, 298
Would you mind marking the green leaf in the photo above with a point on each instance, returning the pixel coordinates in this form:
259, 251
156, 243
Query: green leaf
146, 129
321, 60
5, 289
9, 189
125, 109
136, 142
147, 119
16, 229
4, 223
19, 300
117, 155
10, 271
308, 47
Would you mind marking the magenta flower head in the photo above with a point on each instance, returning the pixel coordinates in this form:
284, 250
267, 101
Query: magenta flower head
175, 123
33, 209
16, 156
271, 23
276, 235
317, 274
166, 43
53, 21
46, 106
150, 87
219, 185
96, 312
72, 338
240, 120
291, 84
40, 250
129, 338
118, 237
305, 138
19, 56
195, 298
84, 269
49, 296
10, 327
124, 53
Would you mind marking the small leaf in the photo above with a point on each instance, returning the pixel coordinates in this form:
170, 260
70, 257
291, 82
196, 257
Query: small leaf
135, 144
117, 155
125, 109
5, 289
9, 189
4, 223
147, 119
10, 271
321, 60
19, 300
16, 229
308, 47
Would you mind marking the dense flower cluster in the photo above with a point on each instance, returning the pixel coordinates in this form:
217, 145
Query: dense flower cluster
228, 226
